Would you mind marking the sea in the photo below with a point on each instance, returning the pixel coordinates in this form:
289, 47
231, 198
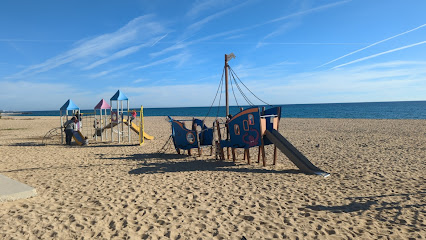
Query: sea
366, 110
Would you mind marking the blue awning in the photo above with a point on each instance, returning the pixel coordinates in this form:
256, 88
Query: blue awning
69, 105
119, 96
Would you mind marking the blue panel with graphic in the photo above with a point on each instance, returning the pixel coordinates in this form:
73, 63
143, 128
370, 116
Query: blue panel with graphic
244, 130
183, 138
206, 134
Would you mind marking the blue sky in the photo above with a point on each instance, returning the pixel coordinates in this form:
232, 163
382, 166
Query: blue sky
171, 53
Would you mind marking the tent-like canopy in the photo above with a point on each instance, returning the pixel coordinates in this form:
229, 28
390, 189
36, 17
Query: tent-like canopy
119, 96
102, 105
69, 105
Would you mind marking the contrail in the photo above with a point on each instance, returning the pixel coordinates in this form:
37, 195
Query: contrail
159, 40
306, 11
384, 40
378, 54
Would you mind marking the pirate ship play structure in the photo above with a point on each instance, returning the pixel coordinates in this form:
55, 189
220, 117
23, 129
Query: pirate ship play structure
252, 127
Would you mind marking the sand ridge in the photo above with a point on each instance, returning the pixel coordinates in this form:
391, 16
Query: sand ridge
110, 190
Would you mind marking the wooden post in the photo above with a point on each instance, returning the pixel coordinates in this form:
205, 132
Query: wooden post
227, 98
258, 154
194, 128
226, 85
248, 155
62, 127
228, 153
278, 126
260, 147
222, 155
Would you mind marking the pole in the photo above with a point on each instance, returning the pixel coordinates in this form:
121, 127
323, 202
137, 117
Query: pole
112, 125
141, 128
118, 121
97, 125
226, 85
62, 128
128, 122
100, 126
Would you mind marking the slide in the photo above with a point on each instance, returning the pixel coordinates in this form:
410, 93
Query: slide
109, 126
135, 128
78, 137
293, 154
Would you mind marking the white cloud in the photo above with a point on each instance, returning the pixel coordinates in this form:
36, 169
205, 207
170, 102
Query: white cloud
287, 26
198, 25
174, 47
390, 81
308, 11
371, 45
24, 95
117, 55
139, 80
200, 6
194, 27
379, 54
387, 81
280, 30
110, 70
140, 29
172, 95
179, 58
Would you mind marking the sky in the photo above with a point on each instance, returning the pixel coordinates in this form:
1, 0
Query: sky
171, 53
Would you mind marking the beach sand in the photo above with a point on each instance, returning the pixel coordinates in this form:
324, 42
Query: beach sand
377, 186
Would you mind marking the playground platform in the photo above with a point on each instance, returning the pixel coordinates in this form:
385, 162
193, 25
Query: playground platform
13, 190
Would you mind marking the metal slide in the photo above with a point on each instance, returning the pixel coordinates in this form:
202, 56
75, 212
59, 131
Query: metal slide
293, 154
78, 137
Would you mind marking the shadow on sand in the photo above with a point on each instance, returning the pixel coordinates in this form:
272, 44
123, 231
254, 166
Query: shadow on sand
381, 208
158, 163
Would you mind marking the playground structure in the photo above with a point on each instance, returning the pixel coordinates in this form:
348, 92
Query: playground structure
247, 129
255, 128
120, 121
95, 124
75, 111
185, 139
117, 116
101, 122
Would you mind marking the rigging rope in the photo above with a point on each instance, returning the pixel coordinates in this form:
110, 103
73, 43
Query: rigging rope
233, 92
220, 96
241, 91
249, 89
219, 87
164, 149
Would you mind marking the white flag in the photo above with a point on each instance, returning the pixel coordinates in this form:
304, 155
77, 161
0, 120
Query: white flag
230, 56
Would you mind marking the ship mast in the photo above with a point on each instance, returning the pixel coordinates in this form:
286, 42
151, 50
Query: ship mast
227, 58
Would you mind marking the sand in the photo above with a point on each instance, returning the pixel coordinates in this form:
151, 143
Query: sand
377, 187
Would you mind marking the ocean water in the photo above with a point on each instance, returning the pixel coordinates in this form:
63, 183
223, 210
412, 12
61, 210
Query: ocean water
371, 110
